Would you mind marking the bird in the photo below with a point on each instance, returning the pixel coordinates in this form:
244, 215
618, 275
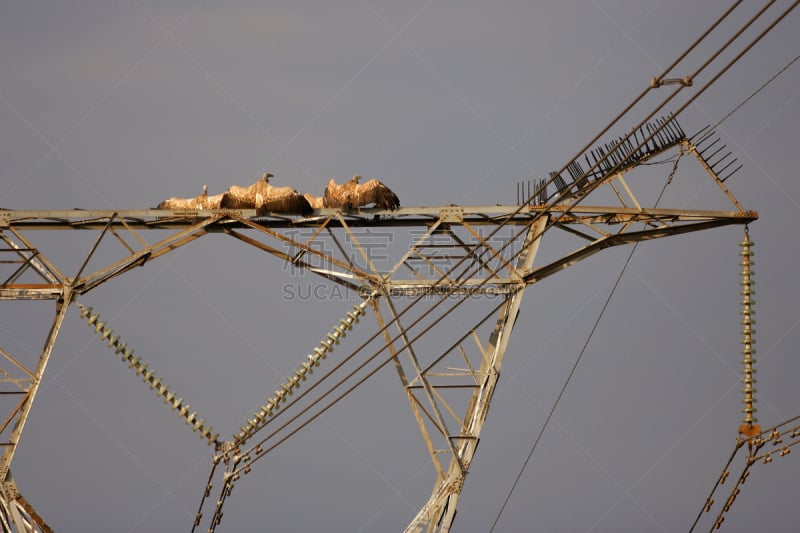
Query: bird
203, 201
265, 198
354, 194
317, 202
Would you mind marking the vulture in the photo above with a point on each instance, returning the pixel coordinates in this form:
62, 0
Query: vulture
264, 198
317, 202
354, 194
204, 202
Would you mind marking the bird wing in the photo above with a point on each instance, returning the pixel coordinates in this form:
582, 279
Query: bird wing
333, 195
212, 202
284, 200
375, 192
317, 202
237, 197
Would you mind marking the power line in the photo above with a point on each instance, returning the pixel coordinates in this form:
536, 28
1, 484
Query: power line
578, 359
735, 109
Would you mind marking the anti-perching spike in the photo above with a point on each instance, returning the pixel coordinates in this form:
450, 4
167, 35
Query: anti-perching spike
106, 334
133, 362
85, 311
121, 348
92, 319
141, 368
112, 341
177, 403
155, 383
99, 326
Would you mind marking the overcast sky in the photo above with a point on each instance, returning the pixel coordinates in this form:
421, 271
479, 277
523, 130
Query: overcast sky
121, 104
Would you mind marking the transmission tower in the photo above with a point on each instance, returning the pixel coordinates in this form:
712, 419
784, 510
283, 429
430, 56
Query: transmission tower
458, 255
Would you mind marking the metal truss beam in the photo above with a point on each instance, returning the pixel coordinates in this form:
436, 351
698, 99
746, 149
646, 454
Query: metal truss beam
454, 251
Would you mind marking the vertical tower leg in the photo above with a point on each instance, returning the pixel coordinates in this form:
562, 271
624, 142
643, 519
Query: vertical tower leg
438, 513
16, 513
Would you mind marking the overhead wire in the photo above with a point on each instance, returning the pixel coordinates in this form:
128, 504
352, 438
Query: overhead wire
579, 358
415, 322
754, 93
558, 198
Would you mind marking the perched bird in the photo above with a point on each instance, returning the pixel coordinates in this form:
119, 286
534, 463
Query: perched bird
203, 201
265, 198
210, 202
317, 202
354, 194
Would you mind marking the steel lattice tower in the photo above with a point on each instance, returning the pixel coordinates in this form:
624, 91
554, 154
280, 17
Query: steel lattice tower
458, 253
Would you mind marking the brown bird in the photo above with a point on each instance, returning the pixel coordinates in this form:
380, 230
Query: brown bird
317, 202
203, 201
265, 198
353, 194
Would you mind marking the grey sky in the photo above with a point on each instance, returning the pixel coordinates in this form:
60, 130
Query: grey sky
122, 104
